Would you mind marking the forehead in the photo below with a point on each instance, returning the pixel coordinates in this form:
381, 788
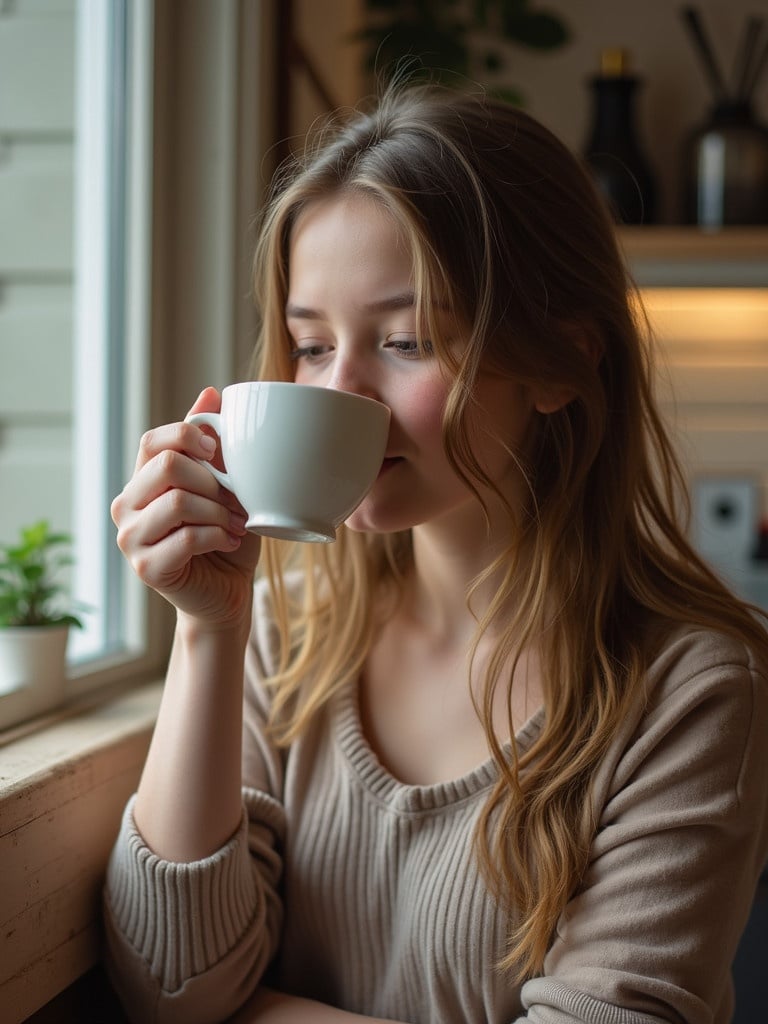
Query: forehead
349, 242
351, 248
350, 219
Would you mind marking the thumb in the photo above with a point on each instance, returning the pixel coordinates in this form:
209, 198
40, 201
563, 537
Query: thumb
209, 400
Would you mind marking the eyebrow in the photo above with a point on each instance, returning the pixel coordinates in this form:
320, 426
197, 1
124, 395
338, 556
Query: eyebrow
403, 300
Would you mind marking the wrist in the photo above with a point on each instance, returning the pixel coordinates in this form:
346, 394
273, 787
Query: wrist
234, 630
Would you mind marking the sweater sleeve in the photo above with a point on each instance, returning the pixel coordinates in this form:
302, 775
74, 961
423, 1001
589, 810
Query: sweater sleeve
682, 807
188, 943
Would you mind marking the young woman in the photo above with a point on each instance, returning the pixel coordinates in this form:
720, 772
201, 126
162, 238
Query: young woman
498, 754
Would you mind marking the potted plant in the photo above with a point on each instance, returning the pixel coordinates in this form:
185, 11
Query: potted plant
35, 615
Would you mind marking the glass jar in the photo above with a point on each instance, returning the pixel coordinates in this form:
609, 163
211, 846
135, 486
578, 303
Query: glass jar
725, 169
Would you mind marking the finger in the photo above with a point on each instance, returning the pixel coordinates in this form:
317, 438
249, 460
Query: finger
164, 566
173, 511
209, 400
180, 437
167, 471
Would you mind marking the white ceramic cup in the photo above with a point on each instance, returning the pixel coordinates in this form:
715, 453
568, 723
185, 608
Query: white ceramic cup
299, 459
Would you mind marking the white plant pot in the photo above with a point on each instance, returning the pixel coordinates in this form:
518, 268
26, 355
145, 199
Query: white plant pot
33, 659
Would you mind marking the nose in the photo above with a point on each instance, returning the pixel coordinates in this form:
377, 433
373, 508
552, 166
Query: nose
354, 375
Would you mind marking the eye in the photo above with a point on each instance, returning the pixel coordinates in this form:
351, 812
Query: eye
310, 352
407, 346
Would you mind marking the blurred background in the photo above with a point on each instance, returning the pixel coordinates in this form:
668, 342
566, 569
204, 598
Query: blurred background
549, 64
137, 139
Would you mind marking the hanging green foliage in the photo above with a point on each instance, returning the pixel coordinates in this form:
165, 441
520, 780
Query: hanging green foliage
453, 41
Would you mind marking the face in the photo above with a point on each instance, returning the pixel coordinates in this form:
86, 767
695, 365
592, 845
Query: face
352, 320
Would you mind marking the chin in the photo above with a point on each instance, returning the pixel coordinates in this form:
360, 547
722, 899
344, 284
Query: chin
367, 519
356, 524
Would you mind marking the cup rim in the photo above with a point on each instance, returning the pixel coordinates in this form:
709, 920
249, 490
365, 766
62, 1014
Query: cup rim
280, 384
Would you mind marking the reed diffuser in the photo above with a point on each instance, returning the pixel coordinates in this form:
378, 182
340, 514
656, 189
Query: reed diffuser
725, 160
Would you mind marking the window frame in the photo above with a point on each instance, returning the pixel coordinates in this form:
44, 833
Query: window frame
111, 303
113, 246
200, 131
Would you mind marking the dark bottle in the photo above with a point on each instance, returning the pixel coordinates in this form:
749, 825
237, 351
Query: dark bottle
725, 169
613, 153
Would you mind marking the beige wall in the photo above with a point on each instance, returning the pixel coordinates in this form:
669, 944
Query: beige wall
324, 30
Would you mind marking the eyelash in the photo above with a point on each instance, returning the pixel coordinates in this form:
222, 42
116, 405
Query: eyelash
398, 344
416, 352
307, 352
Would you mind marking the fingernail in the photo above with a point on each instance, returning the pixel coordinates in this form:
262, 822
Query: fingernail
208, 444
237, 522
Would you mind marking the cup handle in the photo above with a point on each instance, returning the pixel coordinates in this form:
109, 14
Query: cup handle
210, 419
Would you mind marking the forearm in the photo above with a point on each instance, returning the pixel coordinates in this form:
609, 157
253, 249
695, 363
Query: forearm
189, 798
270, 1007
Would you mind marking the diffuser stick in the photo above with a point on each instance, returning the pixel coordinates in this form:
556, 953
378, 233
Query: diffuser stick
695, 27
743, 63
757, 70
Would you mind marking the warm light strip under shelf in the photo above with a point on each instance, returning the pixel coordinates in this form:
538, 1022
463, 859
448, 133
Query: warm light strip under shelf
708, 316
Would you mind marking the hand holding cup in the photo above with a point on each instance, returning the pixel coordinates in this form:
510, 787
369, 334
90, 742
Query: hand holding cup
299, 459
181, 531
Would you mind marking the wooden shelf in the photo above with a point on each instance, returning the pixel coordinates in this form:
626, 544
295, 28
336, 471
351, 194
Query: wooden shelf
692, 257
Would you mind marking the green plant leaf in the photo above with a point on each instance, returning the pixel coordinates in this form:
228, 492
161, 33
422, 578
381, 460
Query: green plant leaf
69, 620
508, 94
35, 536
434, 48
538, 29
56, 539
28, 586
439, 40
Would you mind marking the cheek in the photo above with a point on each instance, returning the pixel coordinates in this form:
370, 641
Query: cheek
501, 419
420, 409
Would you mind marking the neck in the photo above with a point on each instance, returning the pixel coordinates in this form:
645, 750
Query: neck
434, 626
448, 560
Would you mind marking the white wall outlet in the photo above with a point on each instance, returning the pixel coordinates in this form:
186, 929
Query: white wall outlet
725, 514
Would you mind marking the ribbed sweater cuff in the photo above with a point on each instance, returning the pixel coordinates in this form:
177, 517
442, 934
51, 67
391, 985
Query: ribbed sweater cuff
180, 918
546, 993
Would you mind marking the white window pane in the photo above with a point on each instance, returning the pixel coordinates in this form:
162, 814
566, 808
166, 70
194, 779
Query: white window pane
112, 218
75, 175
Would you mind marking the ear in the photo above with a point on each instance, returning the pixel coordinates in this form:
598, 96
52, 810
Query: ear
549, 400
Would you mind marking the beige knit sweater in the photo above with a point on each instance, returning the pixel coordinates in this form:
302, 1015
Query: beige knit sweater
363, 892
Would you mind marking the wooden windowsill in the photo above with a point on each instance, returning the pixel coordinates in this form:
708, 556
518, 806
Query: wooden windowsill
63, 787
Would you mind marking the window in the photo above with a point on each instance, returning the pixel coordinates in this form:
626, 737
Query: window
75, 258
111, 301
135, 147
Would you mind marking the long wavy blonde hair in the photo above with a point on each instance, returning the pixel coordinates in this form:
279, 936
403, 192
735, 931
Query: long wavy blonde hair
502, 220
